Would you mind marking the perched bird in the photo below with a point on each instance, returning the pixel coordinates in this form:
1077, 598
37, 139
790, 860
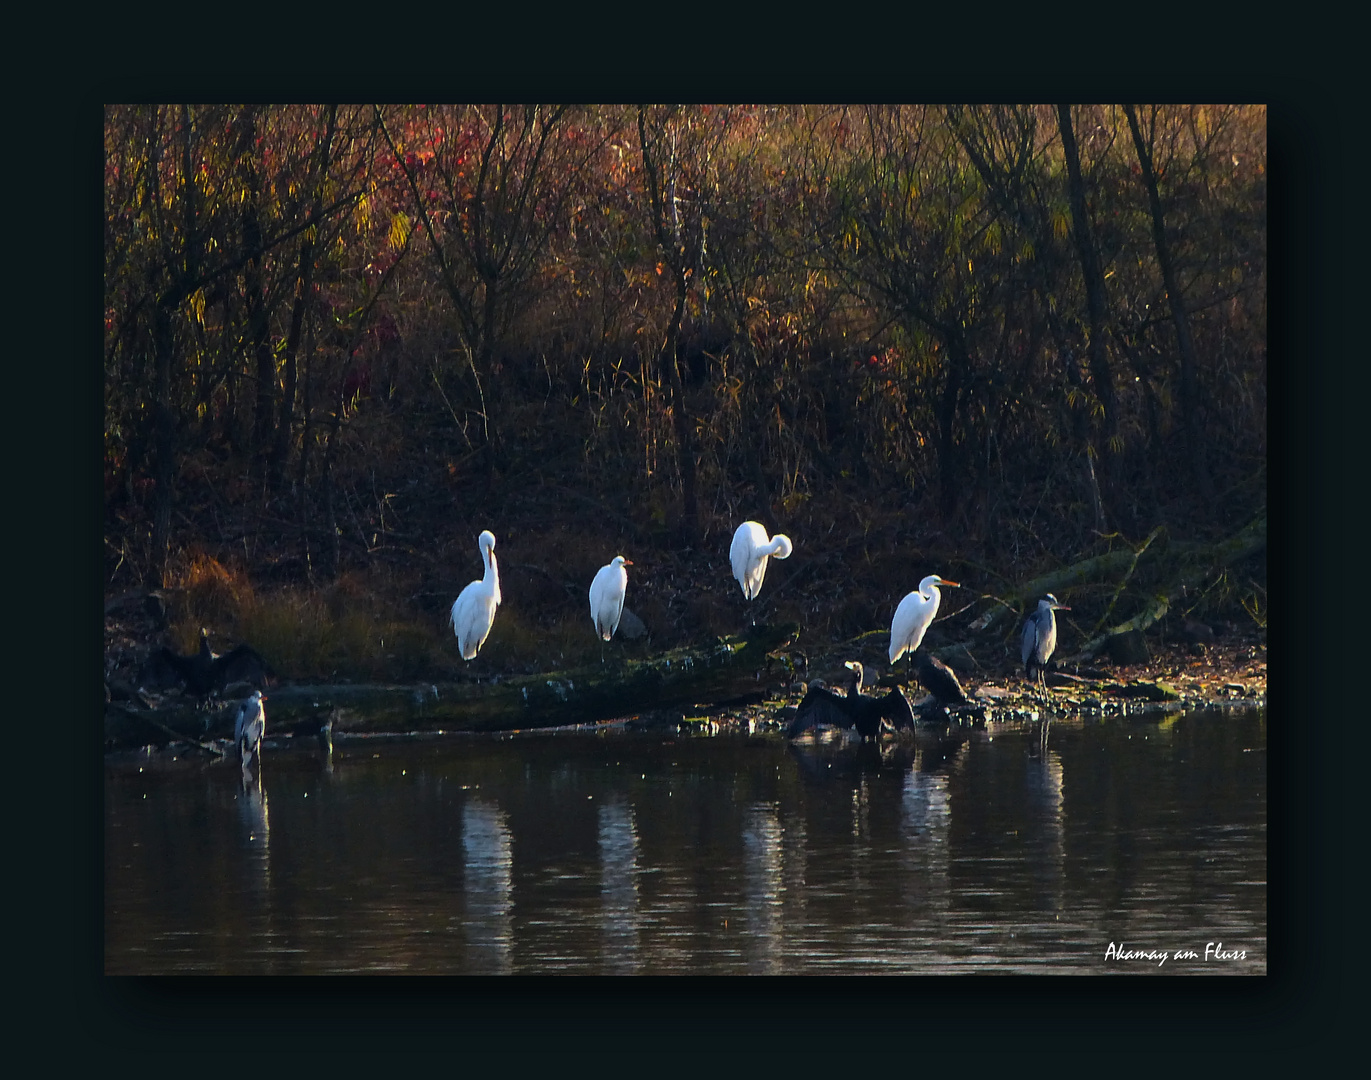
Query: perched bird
914, 615
939, 679
249, 726
1040, 638
857, 710
473, 612
205, 673
607, 596
749, 553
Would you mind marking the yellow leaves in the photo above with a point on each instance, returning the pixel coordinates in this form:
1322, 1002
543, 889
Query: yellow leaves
362, 213
1061, 228
400, 227
197, 306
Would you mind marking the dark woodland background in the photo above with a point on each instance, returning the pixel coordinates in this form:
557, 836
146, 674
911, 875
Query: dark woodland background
987, 342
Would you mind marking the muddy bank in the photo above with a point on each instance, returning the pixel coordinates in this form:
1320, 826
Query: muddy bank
737, 685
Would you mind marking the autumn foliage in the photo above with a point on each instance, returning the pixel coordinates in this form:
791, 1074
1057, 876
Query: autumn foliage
343, 339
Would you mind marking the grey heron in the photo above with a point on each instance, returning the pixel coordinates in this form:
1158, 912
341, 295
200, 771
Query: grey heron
249, 726
1040, 638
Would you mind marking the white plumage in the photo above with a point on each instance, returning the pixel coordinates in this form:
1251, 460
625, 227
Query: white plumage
473, 612
749, 553
249, 726
913, 616
607, 596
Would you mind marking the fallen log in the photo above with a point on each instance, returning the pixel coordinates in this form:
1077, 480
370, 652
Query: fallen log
728, 669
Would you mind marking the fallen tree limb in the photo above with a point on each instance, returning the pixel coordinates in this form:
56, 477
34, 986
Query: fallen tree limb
682, 678
1179, 565
1196, 565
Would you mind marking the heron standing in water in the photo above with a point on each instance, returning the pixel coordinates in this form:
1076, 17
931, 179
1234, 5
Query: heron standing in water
249, 726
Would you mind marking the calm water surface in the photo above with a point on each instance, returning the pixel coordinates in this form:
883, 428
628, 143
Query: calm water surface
621, 852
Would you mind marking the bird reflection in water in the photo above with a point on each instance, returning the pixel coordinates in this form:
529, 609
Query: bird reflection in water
619, 887
925, 820
255, 823
487, 886
847, 759
1042, 836
762, 888
252, 802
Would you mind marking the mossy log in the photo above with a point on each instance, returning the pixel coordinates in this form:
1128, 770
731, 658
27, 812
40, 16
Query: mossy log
683, 678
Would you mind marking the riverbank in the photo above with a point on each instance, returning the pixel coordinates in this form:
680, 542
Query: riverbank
1230, 670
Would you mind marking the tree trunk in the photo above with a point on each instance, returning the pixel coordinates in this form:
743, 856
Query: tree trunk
1189, 391
164, 441
258, 317
683, 424
1100, 373
957, 361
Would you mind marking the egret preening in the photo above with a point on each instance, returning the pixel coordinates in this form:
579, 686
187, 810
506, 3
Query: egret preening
249, 726
749, 553
914, 615
1040, 638
473, 613
607, 596
857, 710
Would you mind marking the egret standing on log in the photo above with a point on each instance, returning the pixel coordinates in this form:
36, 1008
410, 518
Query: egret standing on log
1040, 638
914, 615
607, 596
473, 613
249, 726
749, 553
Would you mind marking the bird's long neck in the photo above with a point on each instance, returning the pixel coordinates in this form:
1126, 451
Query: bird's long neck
492, 576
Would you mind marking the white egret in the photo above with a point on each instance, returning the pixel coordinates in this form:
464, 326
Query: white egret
913, 616
473, 612
1040, 638
607, 596
249, 726
749, 552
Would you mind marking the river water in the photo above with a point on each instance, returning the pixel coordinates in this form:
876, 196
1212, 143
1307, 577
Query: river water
661, 852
